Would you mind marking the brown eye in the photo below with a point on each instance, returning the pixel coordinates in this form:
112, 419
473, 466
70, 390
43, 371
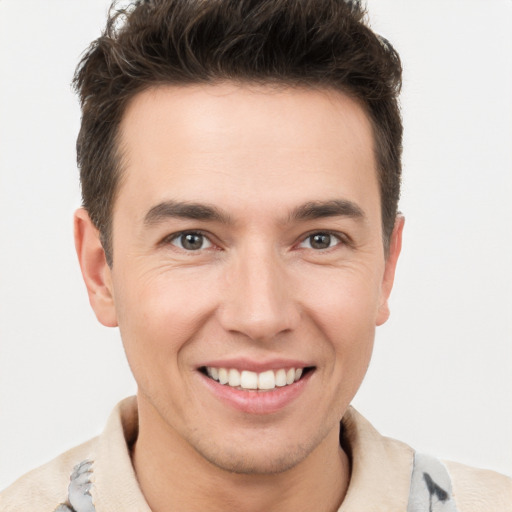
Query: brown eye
191, 241
320, 241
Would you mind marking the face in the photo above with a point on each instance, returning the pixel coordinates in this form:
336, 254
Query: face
249, 272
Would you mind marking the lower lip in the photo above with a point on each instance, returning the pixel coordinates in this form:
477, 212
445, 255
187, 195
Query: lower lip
258, 402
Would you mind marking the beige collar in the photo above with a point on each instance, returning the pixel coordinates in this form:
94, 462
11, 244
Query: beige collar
380, 475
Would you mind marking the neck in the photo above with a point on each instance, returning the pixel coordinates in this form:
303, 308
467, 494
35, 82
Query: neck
173, 476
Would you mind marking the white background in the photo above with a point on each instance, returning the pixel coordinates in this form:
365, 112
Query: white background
440, 378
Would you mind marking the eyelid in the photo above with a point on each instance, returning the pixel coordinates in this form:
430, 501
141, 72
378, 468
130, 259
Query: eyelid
344, 240
168, 239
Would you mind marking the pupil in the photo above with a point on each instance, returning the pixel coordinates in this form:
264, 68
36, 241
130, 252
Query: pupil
320, 241
192, 241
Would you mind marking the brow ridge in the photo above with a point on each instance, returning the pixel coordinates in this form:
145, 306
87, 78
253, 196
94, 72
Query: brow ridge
332, 208
184, 210
204, 212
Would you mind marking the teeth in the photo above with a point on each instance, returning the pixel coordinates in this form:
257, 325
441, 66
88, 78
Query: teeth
223, 376
234, 378
267, 380
249, 380
281, 378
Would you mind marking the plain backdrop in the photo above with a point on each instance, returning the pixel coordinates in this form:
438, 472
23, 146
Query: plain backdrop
440, 378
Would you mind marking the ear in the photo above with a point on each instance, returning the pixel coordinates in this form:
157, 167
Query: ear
395, 246
95, 270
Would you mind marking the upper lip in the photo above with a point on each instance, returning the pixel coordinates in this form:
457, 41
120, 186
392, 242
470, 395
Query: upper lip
257, 366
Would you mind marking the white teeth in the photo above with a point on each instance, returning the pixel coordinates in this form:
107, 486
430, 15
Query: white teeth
266, 380
234, 378
245, 379
281, 378
249, 380
223, 376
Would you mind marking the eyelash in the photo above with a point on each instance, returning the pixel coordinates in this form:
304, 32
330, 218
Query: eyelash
176, 236
341, 238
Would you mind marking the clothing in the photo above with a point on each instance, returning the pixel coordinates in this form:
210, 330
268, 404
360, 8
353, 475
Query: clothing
386, 476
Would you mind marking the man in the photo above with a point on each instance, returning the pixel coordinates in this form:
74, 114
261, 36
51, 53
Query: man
240, 167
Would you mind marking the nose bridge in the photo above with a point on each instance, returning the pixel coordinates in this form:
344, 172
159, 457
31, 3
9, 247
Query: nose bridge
258, 302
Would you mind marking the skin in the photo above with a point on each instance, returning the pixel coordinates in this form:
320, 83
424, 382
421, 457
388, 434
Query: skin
257, 290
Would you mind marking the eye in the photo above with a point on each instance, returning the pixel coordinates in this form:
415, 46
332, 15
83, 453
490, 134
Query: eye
191, 241
320, 241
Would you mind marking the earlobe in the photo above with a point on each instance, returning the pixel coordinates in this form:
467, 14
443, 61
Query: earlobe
95, 270
395, 246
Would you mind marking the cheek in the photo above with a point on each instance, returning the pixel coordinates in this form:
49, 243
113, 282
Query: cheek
343, 300
345, 310
159, 314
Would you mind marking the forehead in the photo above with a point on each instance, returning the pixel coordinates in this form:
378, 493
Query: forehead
215, 142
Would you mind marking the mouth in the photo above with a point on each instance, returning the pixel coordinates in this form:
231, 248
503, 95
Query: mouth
246, 380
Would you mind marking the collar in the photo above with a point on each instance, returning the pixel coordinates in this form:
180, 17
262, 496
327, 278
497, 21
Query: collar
380, 467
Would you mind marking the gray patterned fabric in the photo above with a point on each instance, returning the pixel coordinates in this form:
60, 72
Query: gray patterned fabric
80, 499
431, 486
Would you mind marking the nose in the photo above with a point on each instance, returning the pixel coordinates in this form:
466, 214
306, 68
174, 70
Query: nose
258, 300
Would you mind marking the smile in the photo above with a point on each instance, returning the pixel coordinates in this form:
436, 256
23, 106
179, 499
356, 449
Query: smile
248, 380
257, 388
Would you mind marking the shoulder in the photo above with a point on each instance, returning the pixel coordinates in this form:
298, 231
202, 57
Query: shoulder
46, 487
95, 474
450, 487
479, 490
388, 475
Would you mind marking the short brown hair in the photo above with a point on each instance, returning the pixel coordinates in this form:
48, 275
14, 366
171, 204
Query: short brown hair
307, 43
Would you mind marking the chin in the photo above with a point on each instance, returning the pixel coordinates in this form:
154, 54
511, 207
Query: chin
261, 452
257, 463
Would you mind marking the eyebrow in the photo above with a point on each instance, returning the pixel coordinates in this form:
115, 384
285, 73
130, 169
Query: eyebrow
333, 208
204, 212
184, 210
